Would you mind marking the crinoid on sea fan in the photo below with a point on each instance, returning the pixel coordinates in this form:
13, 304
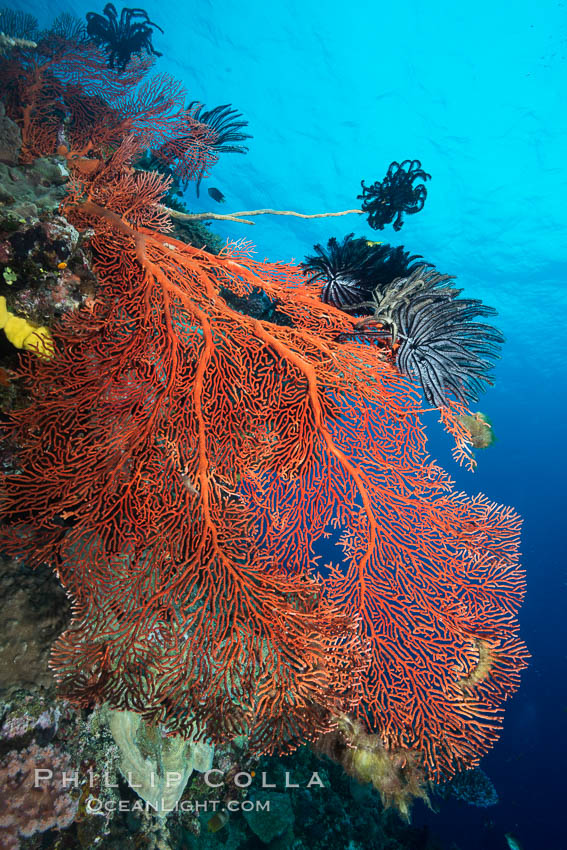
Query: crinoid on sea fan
386, 200
341, 268
446, 349
122, 37
223, 120
434, 334
204, 134
387, 301
351, 270
226, 124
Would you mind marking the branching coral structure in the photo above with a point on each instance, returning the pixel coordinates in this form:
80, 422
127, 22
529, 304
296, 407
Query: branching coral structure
66, 98
207, 133
181, 464
18, 25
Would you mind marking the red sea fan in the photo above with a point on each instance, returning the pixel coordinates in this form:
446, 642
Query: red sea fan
182, 462
204, 134
191, 152
63, 92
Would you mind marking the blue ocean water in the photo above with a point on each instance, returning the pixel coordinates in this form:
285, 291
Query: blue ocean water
333, 93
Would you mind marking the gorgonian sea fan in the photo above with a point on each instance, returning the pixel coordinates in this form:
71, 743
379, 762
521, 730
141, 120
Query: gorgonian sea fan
65, 28
179, 461
18, 24
68, 75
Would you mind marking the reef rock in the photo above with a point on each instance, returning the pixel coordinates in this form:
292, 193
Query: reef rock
10, 139
269, 823
35, 612
29, 190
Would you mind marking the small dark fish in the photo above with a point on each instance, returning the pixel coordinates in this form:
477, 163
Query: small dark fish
216, 195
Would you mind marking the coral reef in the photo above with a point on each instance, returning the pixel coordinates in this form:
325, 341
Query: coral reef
44, 269
205, 422
33, 190
31, 805
10, 139
70, 77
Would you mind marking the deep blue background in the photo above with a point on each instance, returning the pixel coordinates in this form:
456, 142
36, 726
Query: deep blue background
335, 92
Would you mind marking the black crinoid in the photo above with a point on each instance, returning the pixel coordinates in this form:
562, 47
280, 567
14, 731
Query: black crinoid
350, 271
122, 37
434, 335
341, 269
386, 200
226, 123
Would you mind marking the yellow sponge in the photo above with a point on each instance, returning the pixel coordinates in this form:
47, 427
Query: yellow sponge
3, 311
23, 334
